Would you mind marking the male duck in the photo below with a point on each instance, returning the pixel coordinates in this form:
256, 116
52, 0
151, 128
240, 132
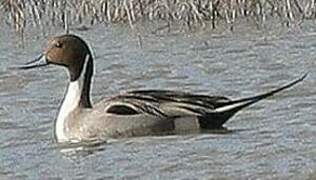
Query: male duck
134, 113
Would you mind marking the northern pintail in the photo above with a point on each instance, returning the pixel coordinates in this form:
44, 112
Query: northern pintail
134, 113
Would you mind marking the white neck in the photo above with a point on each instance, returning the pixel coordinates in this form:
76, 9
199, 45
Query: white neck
69, 105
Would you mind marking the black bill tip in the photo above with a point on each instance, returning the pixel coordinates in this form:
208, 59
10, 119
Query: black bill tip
38, 62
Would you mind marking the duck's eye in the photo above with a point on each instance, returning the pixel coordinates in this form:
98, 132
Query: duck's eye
58, 45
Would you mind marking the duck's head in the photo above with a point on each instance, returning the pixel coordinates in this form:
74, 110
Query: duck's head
68, 50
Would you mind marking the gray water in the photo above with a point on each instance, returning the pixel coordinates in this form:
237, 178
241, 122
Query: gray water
274, 139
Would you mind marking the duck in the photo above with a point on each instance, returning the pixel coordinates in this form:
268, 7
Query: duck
132, 113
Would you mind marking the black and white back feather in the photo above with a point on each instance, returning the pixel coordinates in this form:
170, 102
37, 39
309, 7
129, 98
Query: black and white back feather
211, 111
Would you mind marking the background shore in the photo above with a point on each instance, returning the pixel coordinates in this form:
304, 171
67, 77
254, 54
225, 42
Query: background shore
187, 14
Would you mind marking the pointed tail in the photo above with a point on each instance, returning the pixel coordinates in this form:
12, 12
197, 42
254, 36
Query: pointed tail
227, 109
236, 105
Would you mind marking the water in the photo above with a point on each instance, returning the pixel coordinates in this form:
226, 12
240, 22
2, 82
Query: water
273, 139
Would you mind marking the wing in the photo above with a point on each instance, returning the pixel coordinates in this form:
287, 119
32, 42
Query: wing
163, 103
211, 111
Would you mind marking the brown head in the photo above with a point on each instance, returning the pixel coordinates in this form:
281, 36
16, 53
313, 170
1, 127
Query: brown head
67, 50
73, 53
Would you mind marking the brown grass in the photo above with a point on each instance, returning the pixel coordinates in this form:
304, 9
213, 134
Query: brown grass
190, 13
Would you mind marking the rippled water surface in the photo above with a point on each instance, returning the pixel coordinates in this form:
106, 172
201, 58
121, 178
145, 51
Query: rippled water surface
274, 139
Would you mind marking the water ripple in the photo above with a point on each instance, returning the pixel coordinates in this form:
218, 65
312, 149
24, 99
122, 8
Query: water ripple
273, 139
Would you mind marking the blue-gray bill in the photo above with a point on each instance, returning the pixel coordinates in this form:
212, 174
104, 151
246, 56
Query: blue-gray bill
38, 62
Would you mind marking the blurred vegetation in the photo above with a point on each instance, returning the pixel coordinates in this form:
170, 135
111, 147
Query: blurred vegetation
20, 14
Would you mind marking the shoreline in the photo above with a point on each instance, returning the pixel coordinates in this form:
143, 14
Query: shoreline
187, 14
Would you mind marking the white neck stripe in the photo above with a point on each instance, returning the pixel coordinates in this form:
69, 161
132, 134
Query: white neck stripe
70, 103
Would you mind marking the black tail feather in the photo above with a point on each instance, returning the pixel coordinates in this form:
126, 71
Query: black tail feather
227, 109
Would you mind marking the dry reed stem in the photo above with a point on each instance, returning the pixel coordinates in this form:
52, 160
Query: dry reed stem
188, 13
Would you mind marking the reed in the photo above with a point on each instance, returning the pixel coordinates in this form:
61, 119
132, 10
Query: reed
189, 13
